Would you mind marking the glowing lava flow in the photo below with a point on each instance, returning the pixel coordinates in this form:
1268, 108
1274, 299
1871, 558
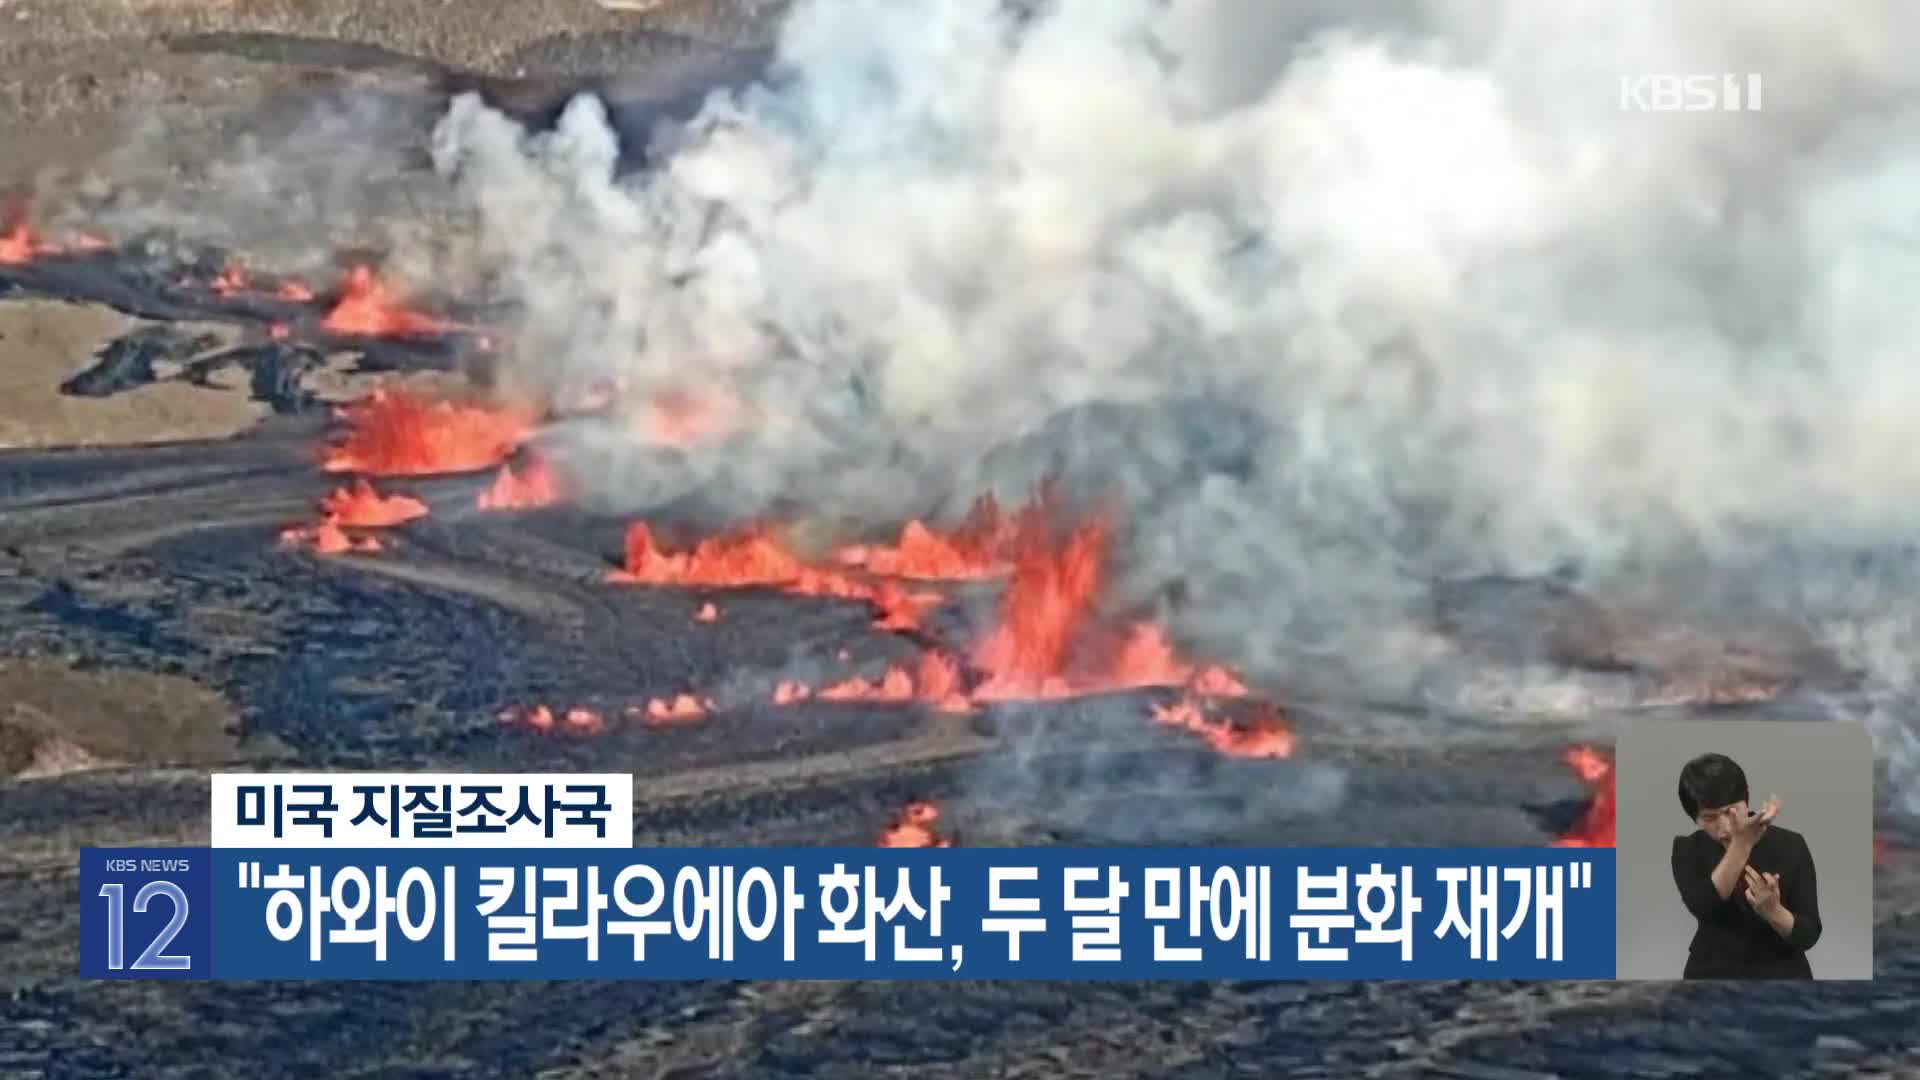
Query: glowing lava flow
20, 244
1049, 598
934, 681
234, 280
328, 538
1146, 658
913, 828
230, 281
580, 720
682, 709
1045, 617
358, 506
575, 721
1265, 734
751, 557
1045, 643
1596, 826
532, 487
369, 308
756, 557
978, 548
393, 433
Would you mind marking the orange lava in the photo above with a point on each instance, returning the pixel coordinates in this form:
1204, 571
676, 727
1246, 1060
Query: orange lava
894, 607
234, 279
539, 718
1216, 681
20, 244
1146, 658
755, 556
934, 681
1264, 734
977, 548
1597, 823
939, 684
394, 433
585, 721
578, 720
230, 280
899, 609
895, 685
682, 709
370, 308
1046, 617
914, 828
529, 489
328, 538
1039, 648
1044, 614
751, 557
360, 505
1046, 604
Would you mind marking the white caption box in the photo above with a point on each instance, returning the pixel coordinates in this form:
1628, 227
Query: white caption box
403, 810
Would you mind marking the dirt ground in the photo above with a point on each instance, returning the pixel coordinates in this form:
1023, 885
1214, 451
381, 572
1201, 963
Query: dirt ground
43, 342
77, 77
72, 70
55, 719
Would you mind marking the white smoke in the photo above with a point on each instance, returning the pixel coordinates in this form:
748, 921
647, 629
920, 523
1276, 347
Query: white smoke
1487, 320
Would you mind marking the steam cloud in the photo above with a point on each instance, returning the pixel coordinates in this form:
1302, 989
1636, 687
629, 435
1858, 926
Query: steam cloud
1476, 317
1346, 302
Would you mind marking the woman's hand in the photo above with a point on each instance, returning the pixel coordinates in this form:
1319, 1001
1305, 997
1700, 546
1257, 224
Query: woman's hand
1763, 892
1750, 830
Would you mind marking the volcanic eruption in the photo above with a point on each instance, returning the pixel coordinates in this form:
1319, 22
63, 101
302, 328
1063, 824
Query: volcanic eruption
1101, 422
1215, 414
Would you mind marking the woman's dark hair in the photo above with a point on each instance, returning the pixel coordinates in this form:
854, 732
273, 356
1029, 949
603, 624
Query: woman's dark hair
1709, 782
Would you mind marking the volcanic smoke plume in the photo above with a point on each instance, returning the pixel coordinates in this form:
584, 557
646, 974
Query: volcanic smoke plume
1485, 321
1337, 308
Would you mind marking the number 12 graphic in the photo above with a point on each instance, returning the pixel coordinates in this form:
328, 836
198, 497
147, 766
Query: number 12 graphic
152, 959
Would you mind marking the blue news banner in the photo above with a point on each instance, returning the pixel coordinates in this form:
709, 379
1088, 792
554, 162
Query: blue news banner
822, 913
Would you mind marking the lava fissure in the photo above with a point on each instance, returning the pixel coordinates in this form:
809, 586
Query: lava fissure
394, 433
1046, 641
1596, 826
146, 279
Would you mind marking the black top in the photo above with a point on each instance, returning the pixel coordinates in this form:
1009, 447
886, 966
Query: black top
1733, 942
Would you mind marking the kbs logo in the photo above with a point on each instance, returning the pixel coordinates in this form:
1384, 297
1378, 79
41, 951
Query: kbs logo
1690, 93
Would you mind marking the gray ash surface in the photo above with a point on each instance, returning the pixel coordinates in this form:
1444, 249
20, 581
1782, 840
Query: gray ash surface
404, 659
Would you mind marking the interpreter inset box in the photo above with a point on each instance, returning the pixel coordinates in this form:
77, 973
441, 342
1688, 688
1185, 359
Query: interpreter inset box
1745, 850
